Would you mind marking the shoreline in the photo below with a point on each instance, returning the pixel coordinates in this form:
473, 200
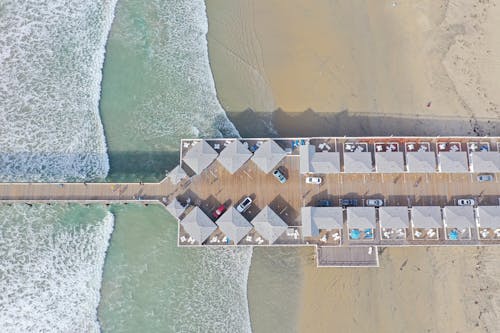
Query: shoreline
404, 69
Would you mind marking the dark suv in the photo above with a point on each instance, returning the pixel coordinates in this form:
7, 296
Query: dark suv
348, 202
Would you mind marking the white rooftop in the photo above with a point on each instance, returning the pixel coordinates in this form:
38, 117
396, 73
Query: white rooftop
390, 161
488, 216
426, 217
234, 225
234, 155
316, 218
198, 225
268, 155
318, 162
361, 217
269, 225
200, 156
394, 217
460, 217
358, 162
453, 161
421, 161
487, 161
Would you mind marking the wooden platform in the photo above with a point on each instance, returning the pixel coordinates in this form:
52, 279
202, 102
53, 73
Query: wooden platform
215, 186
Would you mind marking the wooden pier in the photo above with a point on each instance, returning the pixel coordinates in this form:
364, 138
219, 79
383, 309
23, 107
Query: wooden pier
216, 179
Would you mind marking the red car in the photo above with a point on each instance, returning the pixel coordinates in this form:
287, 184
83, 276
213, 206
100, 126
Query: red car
218, 212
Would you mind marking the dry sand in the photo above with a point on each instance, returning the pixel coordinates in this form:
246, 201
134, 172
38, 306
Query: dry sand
366, 58
371, 68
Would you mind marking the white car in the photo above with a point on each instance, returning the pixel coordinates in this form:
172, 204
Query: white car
244, 205
466, 202
313, 180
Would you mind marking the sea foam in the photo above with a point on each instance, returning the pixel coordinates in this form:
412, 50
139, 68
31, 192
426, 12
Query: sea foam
51, 55
51, 266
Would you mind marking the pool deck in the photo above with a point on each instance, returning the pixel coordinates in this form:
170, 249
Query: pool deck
215, 185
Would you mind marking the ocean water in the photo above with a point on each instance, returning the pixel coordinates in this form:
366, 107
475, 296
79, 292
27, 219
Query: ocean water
51, 54
151, 285
51, 260
51, 257
157, 86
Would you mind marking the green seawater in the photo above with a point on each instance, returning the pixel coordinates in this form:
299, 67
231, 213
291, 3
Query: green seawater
157, 88
151, 285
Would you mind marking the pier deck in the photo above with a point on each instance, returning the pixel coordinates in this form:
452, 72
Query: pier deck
210, 184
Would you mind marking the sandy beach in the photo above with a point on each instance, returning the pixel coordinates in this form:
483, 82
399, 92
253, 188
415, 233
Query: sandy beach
427, 61
370, 68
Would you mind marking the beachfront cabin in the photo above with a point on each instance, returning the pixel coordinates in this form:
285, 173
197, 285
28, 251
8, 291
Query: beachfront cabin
176, 175
459, 222
323, 162
453, 161
268, 155
269, 226
488, 220
234, 226
358, 162
421, 161
389, 162
322, 224
394, 222
234, 155
199, 155
427, 222
176, 208
487, 161
197, 227
361, 223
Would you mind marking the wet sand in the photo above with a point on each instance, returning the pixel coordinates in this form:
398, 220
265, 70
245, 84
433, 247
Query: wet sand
370, 68
362, 58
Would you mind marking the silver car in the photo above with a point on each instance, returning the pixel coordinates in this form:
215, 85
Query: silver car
487, 177
243, 206
374, 202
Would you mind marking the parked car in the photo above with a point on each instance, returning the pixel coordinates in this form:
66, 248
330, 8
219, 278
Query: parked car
280, 176
324, 203
348, 202
313, 180
374, 202
466, 202
487, 177
218, 212
243, 206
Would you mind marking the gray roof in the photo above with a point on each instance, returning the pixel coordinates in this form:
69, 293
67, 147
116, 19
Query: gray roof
394, 217
234, 155
488, 216
421, 161
358, 161
175, 208
460, 217
234, 225
268, 155
485, 161
426, 217
361, 217
200, 156
269, 225
389, 161
323, 162
198, 225
176, 175
453, 161
315, 218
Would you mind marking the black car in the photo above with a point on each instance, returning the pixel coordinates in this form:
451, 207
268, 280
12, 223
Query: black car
324, 203
348, 202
